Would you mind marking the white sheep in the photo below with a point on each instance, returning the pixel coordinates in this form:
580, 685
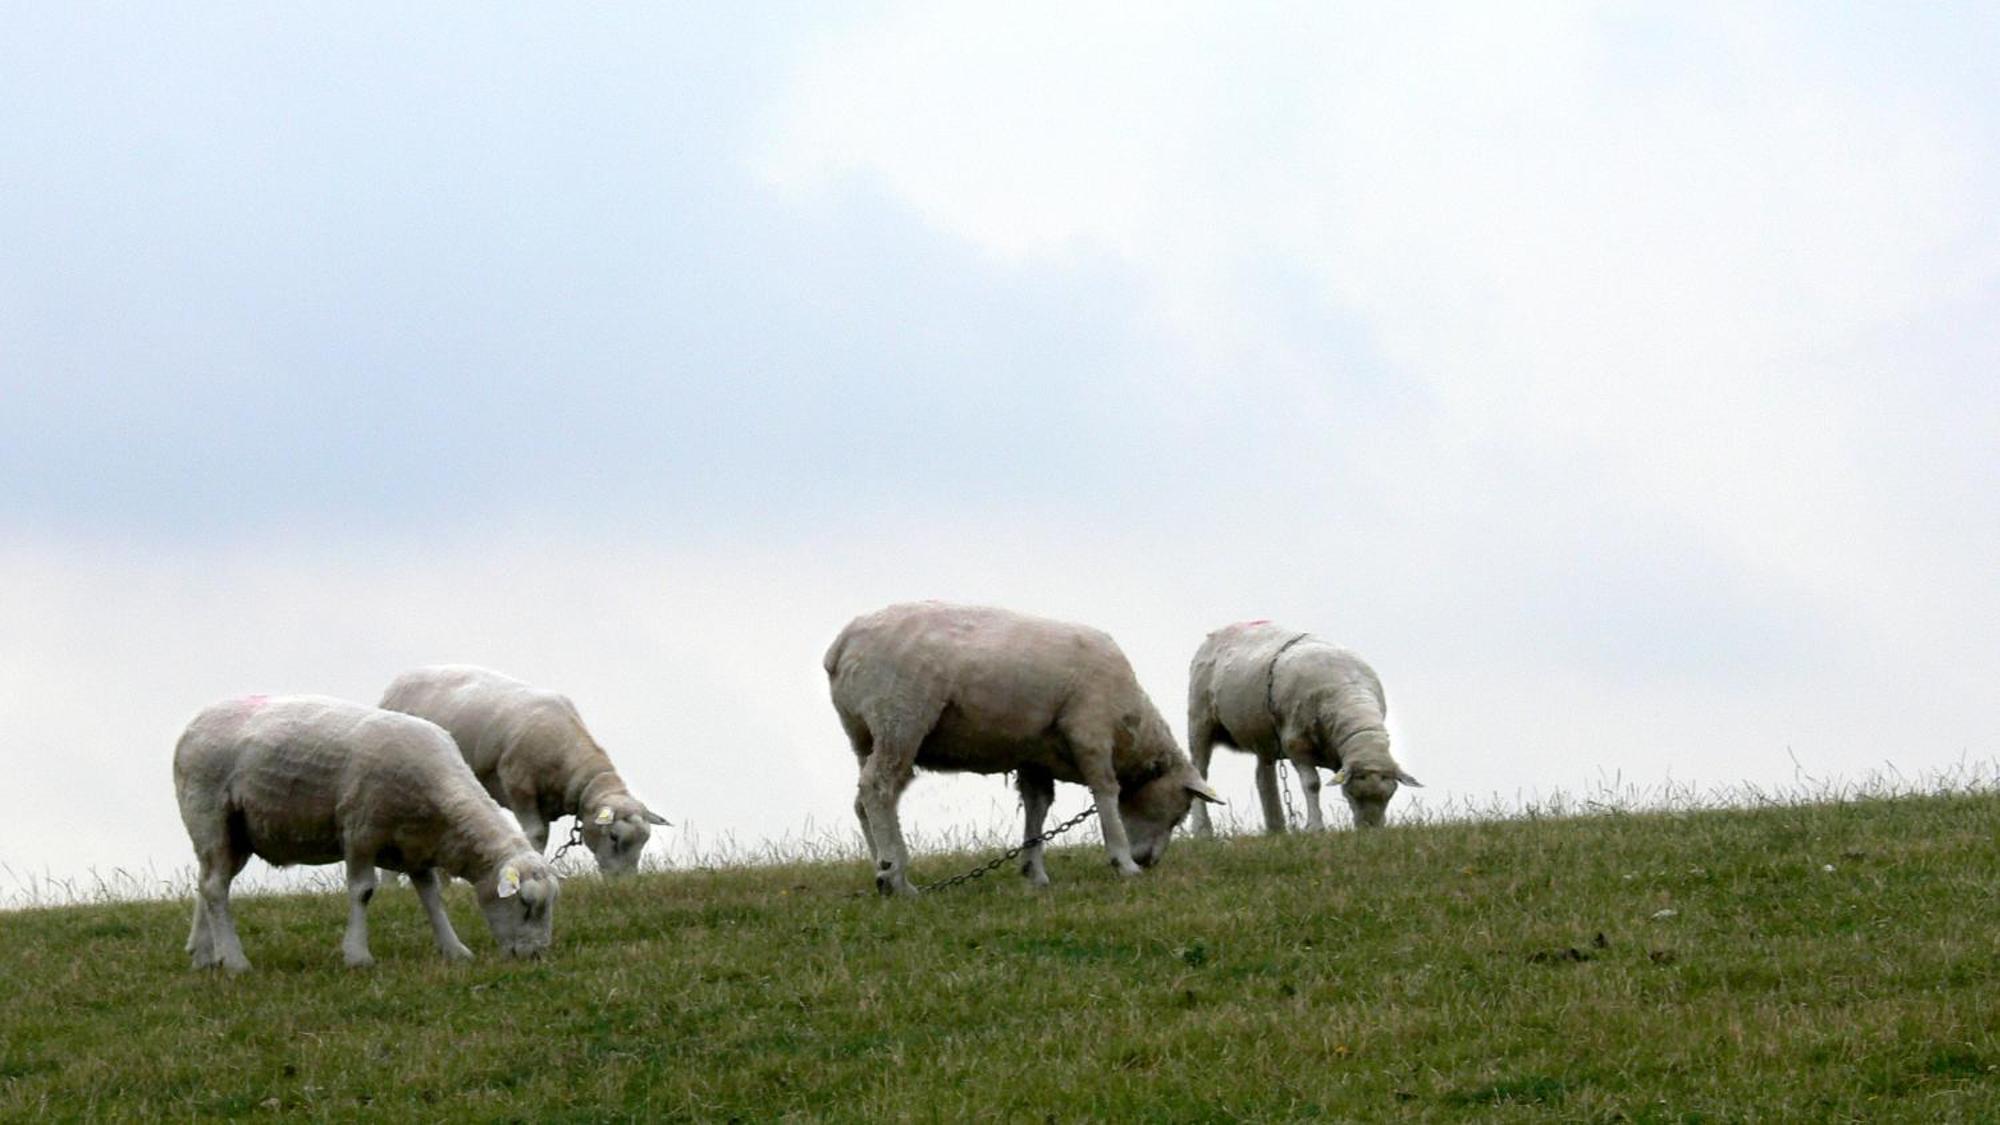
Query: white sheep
1277, 692
961, 688
307, 779
530, 749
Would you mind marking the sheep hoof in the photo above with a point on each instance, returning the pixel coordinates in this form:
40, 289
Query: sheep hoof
457, 952
361, 960
893, 884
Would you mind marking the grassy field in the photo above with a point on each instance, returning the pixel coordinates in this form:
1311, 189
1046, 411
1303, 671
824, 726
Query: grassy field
1821, 962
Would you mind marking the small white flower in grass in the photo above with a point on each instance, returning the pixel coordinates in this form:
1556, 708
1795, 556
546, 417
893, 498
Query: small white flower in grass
1663, 915
1828, 869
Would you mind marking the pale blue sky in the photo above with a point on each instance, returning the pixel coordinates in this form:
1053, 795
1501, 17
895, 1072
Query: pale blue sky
311, 268
1619, 378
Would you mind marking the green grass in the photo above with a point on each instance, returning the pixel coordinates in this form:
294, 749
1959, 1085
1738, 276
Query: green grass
1512, 970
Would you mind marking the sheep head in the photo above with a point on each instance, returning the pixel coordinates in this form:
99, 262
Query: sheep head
616, 829
1150, 811
518, 898
1368, 779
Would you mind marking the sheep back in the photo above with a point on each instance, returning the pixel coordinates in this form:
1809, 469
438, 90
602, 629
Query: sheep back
310, 779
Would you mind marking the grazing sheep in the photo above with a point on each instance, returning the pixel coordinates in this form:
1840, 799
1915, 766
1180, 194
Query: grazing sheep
1271, 691
531, 751
959, 688
306, 779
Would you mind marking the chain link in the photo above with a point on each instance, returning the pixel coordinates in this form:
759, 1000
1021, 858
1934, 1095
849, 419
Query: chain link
575, 838
1011, 853
1285, 791
1278, 726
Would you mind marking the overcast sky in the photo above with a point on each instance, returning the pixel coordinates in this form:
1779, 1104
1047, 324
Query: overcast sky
1620, 379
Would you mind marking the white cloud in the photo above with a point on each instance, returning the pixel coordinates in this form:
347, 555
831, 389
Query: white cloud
1649, 255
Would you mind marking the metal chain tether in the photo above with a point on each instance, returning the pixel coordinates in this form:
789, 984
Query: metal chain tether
1001, 859
1278, 727
1285, 791
575, 838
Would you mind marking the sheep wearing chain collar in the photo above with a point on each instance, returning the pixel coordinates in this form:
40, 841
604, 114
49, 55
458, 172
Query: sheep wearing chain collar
1280, 693
964, 688
530, 749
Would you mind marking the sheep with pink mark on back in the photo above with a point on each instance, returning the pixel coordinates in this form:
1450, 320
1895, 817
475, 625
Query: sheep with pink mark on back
1281, 693
530, 749
307, 779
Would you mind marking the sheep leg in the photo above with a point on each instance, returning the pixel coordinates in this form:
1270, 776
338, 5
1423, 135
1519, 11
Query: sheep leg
867, 836
883, 777
1299, 751
1116, 842
360, 888
534, 827
199, 942
1092, 739
1201, 746
218, 867
1038, 792
863, 743
1267, 794
426, 884
1096, 771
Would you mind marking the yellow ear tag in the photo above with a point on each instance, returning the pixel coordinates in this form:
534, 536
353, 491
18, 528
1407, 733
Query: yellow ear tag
510, 882
1339, 777
604, 815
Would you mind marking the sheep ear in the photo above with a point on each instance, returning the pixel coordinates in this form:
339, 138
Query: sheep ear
603, 815
1406, 779
1339, 776
1202, 789
654, 818
509, 884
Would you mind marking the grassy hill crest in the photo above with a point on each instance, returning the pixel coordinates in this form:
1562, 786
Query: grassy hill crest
1828, 961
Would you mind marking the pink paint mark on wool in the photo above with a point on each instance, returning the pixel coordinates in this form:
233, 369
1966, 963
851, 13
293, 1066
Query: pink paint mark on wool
253, 702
